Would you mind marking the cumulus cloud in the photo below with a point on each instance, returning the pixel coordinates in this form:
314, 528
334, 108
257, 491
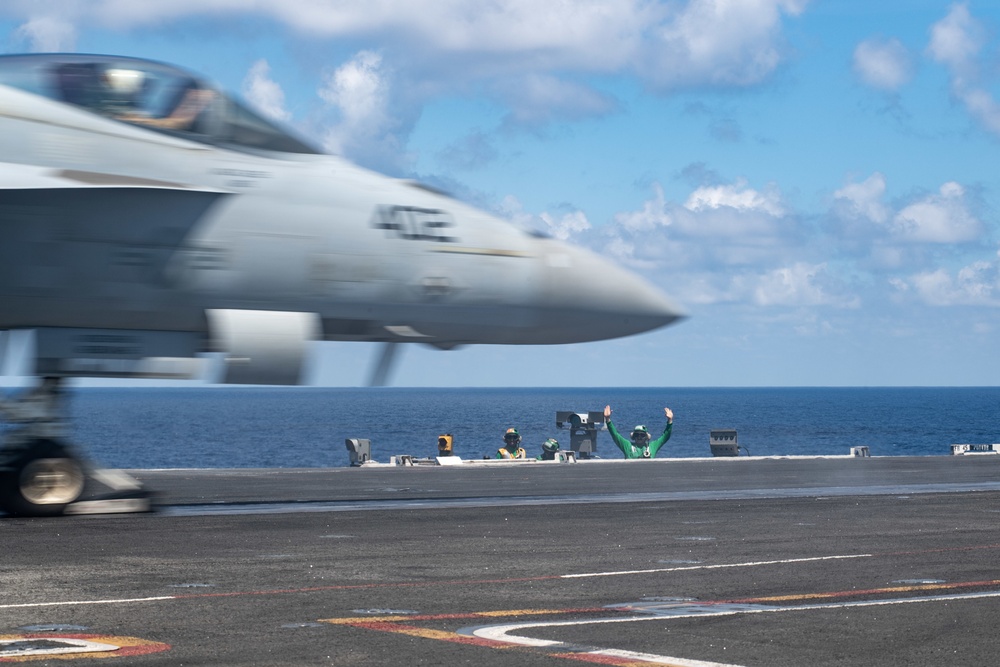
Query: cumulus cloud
884, 65
359, 94
956, 42
564, 224
46, 34
938, 218
264, 93
707, 34
728, 242
863, 200
944, 217
711, 43
359, 89
800, 284
725, 243
653, 214
741, 220
956, 39
975, 285
526, 53
736, 196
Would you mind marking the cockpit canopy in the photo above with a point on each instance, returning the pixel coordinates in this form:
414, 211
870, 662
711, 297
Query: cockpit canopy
150, 95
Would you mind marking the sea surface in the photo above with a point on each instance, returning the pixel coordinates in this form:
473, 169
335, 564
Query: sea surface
249, 427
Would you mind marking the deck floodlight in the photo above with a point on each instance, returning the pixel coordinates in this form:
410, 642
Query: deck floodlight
723, 442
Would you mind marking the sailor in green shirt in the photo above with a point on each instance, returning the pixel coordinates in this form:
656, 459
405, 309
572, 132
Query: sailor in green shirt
639, 447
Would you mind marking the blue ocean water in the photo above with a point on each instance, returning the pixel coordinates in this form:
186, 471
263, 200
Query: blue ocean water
306, 427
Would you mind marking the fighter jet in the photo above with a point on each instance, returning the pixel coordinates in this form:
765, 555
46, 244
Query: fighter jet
147, 217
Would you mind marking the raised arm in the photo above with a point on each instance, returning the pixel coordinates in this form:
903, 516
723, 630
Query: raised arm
621, 442
655, 445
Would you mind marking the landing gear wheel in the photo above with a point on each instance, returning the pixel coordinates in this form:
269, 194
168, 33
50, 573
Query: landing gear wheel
41, 480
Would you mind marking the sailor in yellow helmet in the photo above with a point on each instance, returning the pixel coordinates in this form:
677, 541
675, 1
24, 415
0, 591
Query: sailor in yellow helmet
511, 446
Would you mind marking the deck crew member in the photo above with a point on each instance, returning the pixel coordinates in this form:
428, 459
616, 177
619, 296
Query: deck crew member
511, 446
640, 446
549, 449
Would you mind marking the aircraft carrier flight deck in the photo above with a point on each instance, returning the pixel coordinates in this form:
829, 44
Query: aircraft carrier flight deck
784, 561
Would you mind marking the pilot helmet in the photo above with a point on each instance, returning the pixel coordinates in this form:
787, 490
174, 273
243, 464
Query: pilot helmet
550, 445
512, 436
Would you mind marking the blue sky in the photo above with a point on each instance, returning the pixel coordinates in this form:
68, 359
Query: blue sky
814, 180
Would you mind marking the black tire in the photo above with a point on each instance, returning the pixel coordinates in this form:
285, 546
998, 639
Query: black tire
40, 479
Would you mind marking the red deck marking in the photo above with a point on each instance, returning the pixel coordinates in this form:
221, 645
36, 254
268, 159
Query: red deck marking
428, 633
347, 587
605, 660
130, 646
991, 583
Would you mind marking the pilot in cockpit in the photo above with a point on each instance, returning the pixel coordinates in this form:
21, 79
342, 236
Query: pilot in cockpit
132, 95
182, 109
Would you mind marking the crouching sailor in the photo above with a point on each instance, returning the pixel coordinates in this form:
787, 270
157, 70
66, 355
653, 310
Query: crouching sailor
549, 449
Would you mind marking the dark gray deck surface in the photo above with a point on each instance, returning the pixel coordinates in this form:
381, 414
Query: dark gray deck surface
887, 561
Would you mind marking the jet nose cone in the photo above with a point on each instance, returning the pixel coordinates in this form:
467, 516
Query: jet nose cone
600, 300
639, 303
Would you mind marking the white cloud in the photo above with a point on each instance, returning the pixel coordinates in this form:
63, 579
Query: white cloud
717, 43
938, 218
957, 41
798, 285
562, 227
984, 108
721, 245
944, 217
735, 36
565, 226
885, 65
359, 92
745, 226
795, 285
736, 196
957, 38
512, 209
522, 45
47, 34
975, 285
653, 214
264, 93
863, 200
